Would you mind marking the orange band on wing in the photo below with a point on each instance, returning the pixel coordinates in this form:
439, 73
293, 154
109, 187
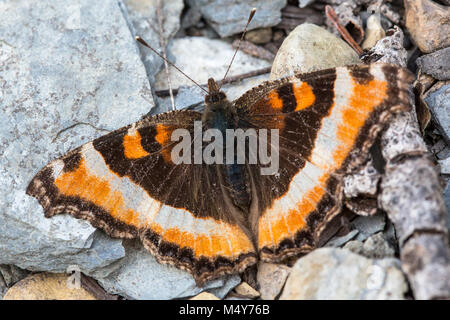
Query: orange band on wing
132, 146
163, 137
275, 101
304, 96
233, 242
274, 227
99, 192
364, 98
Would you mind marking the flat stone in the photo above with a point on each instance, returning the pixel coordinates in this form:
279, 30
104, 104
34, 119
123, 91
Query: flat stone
340, 241
202, 58
71, 66
245, 290
46, 286
142, 15
139, 276
334, 273
368, 226
438, 101
271, 279
259, 36
428, 25
310, 48
436, 64
229, 17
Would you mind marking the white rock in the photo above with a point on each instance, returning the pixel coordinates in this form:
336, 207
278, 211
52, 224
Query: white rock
309, 48
202, 58
374, 31
334, 273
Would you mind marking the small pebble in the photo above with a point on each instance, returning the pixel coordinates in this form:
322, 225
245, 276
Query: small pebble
205, 296
245, 290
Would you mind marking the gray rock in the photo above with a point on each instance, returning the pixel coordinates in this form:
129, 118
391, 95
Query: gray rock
334, 273
339, 241
140, 276
445, 165
368, 226
446, 197
310, 48
389, 49
374, 247
70, 66
436, 64
365, 181
143, 17
271, 279
191, 17
229, 17
438, 101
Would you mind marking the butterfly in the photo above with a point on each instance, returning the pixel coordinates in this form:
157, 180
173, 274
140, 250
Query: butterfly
214, 219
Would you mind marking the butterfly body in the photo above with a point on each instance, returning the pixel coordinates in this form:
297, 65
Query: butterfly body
213, 219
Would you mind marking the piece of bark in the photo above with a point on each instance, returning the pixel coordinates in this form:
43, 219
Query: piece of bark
292, 16
422, 84
254, 50
347, 13
425, 258
412, 197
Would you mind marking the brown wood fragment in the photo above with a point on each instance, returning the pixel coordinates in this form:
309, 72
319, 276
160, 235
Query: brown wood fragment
91, 286
333, 18
292, 16
254, 50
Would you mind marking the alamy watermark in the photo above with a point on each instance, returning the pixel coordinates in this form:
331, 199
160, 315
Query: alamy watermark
234, 145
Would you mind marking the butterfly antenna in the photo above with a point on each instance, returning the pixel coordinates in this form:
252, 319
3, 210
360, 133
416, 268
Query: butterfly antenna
250, 17
145, 44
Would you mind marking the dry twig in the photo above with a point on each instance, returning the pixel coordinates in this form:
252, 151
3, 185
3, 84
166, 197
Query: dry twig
332, 16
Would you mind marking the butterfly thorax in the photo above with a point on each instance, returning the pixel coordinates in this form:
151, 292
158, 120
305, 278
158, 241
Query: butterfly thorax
221, 114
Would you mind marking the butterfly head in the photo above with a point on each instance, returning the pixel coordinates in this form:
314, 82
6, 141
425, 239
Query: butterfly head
214, 94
